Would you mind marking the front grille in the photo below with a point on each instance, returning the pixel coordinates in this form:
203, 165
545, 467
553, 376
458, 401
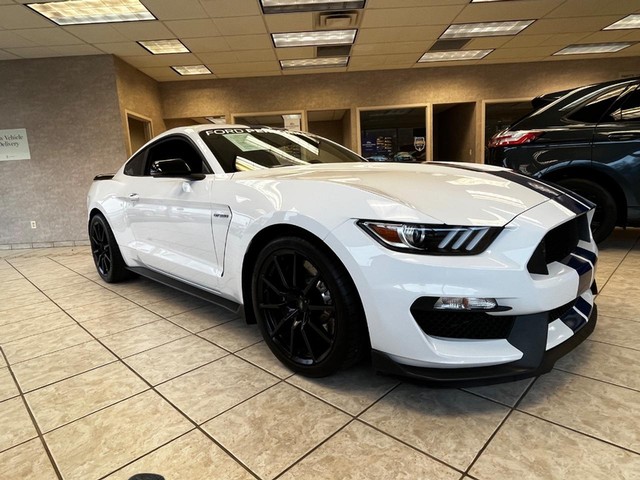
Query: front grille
558, 243
471, 325
560, 311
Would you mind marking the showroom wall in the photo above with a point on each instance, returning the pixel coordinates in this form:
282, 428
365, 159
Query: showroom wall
69, 107
138, 95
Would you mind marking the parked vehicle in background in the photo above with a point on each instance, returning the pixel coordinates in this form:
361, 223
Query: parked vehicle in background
587, 140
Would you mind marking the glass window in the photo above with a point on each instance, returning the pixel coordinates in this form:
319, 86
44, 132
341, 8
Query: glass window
177, 148
629, 110
394, 135
135, 166
240, 149
594, 109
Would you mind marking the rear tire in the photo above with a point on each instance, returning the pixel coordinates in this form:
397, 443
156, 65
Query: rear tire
105, 251
606, 215
307, 307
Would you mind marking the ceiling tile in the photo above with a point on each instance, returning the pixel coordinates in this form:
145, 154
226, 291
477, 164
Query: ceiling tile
305, 71
289, 22
160, 73
96, 33
241, 25
149, 30
7, 56
410, 16
560, 25
9, 39
526, 52
604, 36
562, 39
412, 3
577, 8
484, 43
162, 60
218, 57
193, 28
206, 44
49, 36
13, 17
250, 74
33, 52
388, 48
172, 10
499, 11
256, 55
122, 49
631, 36
250, 42
395, 34
231, 8
295, 52
70, 50
247, 67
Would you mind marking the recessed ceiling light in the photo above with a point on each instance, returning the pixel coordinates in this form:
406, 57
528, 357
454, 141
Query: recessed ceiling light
310, 39
163, 47
454, 55
315, 62
74, 12
192, 70
593, 48
218, 120
288, 6
630, 21
486, 29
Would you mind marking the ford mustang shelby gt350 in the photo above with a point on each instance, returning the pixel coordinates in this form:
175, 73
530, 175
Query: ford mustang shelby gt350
449, 272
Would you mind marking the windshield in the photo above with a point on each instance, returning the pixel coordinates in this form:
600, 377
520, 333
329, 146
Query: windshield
239, 149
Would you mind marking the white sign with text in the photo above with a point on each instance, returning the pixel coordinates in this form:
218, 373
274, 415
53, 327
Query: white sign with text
14, 145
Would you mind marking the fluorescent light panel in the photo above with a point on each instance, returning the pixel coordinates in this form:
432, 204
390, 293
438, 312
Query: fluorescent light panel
314, 62
310, 39
192, 70
163, 47
630, 21
487, 29
454, 55
288, 6
588, 48
74, 12
219, 120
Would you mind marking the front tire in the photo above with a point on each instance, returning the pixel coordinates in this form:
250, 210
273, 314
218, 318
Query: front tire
307, 307
606, 215
105, 251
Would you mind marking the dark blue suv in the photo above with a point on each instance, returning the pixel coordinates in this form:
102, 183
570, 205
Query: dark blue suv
587, 140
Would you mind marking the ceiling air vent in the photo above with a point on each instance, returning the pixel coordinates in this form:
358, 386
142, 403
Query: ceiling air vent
334, 51
337, 20
442, 45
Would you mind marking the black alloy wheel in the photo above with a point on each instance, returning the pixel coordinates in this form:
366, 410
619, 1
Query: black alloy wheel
105, 251
307, 308
605, 215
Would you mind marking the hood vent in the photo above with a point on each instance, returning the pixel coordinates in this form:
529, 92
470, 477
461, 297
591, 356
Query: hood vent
444, 45
334, 51
337, 20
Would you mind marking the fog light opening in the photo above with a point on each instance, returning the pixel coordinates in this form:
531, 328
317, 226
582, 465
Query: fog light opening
465, 303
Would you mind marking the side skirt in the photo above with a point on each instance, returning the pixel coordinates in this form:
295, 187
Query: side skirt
186, 288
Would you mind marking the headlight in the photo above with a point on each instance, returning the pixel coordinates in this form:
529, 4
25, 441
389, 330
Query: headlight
431, 239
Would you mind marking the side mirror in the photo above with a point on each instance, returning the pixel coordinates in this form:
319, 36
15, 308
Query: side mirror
174, 168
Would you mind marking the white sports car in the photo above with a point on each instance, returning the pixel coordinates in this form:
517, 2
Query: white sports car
445, 272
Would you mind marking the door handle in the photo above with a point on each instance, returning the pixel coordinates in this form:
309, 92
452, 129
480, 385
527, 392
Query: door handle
622, 136
134, 197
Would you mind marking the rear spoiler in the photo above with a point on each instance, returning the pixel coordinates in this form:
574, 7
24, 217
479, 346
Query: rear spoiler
103, 176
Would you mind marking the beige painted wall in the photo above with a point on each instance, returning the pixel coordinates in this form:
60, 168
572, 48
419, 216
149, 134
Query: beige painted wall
140, 95
69, 107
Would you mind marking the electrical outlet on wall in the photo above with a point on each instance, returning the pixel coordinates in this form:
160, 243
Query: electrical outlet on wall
33, 224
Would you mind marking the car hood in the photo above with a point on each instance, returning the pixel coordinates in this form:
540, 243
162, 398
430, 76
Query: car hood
455, 194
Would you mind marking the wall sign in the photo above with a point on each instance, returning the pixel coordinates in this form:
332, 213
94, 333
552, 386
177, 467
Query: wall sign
14, 145
293, 122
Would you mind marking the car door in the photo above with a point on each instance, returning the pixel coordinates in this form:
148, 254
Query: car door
616, 143
171, 218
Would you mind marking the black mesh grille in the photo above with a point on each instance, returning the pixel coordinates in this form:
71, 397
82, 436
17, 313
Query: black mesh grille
472, 325
560, 311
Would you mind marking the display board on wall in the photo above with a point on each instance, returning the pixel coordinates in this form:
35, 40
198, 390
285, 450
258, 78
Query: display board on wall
14, 145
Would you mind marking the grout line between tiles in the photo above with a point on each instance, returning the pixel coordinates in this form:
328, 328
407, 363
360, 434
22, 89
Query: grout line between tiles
33, 419
614, 345
597, 379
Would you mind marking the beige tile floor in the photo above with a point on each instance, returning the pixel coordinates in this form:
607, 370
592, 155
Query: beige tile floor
107, 381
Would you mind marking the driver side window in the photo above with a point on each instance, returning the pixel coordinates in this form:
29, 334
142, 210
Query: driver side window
176, 148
